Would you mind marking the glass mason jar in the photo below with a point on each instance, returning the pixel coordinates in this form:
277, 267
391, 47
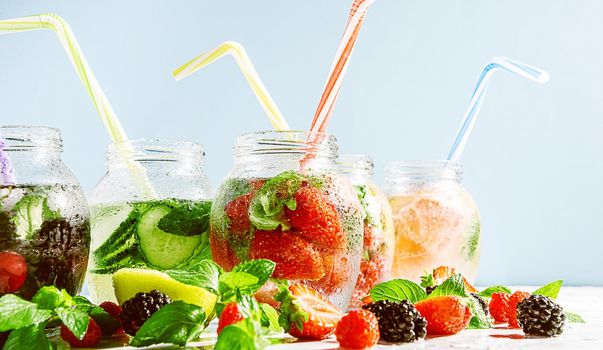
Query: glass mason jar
309, 222
44, 218
437, 221
379, 237
150, 210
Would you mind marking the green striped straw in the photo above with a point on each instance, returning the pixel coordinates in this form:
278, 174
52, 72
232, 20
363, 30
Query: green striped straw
61, 28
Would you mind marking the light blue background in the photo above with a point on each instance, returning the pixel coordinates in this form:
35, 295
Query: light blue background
534, 163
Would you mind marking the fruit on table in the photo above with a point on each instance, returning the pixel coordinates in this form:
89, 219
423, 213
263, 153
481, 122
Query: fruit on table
499, 303
128, 282
511, 313
541, 316
398, 321
91, 338
445, 315
231, 314
302, 300
141, 307
13, 272
358, 329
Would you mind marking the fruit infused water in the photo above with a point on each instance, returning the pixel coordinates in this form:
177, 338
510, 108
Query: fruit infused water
131, 230
309, 223
379, 237
437, 222
44, 218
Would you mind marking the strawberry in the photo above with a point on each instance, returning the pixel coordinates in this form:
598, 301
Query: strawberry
295, 257
370, 273
238, 213
316, 218
307, 314
358, 329
499, 303
511, 313
231, 314
222, 253
13, 272
91, 338
445, 315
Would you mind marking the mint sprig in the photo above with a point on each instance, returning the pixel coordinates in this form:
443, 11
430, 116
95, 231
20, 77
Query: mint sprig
550, 290
487, 293
398, 290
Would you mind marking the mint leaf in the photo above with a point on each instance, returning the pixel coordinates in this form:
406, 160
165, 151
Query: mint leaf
175, 323
260, 268
230, 282
17, 313
427, 281
30, 337
29, 214
77, 321
50, 297
186, 218
398, 290
204, 274
266, 210
107, 323
291, 313
470, 249
243, 335
454, 285
550, 290
573, 318
487, 293
270, 318
479, 320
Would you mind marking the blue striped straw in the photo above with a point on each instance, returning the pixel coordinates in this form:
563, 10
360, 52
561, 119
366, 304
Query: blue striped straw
496, 64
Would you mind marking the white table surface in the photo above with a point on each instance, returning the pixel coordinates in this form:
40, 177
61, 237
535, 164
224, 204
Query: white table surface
585, 301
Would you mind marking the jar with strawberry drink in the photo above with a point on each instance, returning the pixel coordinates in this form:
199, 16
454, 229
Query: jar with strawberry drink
308, 221
437, 222
44, 217
379, 239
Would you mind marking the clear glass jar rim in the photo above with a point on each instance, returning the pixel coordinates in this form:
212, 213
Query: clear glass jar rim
154, 149
284, 142
30, 136
356, 163
440, 168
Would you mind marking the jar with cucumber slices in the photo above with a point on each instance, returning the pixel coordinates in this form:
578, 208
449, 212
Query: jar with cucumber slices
150, 210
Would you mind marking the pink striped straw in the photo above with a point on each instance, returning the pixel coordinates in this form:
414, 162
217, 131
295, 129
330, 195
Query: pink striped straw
338, 69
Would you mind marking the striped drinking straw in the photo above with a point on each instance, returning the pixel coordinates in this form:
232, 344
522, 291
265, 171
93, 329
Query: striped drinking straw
251, 75
63, 31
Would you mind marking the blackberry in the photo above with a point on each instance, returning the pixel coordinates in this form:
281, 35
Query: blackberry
481, 301
540, 315
398, 321
141, 307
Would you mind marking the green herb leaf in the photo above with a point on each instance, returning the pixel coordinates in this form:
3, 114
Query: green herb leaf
186, 218
291, 313
243, 335
573, 318
398, 290
479, 320
427, 281
50, 297
30, 337
487, 293
77, 321
266, 210
204, 274
454, 285
231, 282
550, 290
270, 318
30, 212
176, 323
471, 246
260, 268
107, 323
17, 313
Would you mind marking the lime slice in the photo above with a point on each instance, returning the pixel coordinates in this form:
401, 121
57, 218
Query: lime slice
128, 282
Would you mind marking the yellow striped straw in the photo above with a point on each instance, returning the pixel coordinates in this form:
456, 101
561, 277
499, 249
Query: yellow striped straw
253, 79
58, 25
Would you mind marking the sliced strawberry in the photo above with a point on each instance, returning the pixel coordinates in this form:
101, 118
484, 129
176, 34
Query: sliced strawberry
295, 258
238, 213
309, 314
231, 314
445, 315
316, 218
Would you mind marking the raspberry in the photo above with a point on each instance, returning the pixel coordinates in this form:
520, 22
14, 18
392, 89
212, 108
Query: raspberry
445, 315
358, 329
238, 213
111, 325
13, 272
91, 338
111, 308
231, 314
316, 218
499, 303
295, 257
541, 316
511, 313
398, 321
140, 308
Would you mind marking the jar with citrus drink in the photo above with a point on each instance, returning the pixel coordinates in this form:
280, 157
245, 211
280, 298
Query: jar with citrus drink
437, 222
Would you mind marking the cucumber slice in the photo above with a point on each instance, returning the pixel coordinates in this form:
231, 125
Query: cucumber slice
161, 249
